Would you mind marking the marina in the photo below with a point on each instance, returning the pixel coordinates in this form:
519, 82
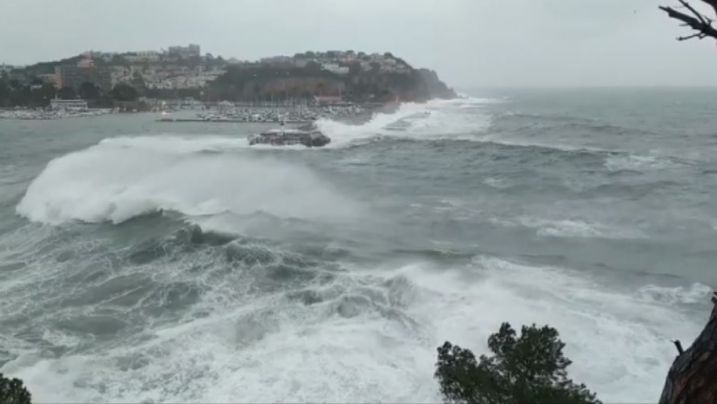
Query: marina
301, 114
31, 114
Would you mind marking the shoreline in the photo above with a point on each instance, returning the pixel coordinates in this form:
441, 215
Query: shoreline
216, 113
43, 115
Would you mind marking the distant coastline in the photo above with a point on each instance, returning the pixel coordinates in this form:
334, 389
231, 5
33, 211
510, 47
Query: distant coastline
152, 80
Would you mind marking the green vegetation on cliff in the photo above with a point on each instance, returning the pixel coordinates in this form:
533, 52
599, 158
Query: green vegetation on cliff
288, 80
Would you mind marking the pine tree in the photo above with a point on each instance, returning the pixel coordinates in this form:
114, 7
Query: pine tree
530, 369
12, 391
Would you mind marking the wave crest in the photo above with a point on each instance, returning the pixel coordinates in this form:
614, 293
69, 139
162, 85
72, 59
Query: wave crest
436, 119
119, 179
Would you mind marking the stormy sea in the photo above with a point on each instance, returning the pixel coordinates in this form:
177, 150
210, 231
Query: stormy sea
143, 261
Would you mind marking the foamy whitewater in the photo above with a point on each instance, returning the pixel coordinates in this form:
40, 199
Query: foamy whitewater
167, 262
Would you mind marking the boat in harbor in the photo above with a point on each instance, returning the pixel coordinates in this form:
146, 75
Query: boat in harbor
307, 135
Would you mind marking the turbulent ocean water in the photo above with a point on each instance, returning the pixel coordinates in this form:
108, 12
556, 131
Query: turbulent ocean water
147, 261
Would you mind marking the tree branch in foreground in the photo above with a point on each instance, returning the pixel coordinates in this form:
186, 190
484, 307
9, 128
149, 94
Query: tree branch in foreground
699, 22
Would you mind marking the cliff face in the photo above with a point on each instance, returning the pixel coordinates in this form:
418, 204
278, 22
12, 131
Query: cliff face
413, 85
434, 86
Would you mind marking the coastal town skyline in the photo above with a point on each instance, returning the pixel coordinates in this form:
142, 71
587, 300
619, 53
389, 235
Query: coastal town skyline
561, 44
148, 80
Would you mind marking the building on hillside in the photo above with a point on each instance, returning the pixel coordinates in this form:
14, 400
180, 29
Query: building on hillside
105, 56
85, 71
335, 68
120, 74
51, 78
68, 105
348, 58
300, 63
143, 57
277, 61
184, 52
6, 69
86, 62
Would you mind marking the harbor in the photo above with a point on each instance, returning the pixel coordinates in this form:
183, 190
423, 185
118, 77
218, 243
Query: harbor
41, 114
223, 112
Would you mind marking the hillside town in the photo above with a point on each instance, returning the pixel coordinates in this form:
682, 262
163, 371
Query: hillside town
182, 76
181, 67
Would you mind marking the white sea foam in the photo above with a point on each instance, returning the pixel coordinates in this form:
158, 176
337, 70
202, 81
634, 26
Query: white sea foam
562, 145
498, 183
637, 162
431, 120
695, 293
571, 228
579, 228
121, 178
372, 337
620, 343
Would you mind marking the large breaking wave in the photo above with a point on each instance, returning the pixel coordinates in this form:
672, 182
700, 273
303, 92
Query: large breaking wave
122, 178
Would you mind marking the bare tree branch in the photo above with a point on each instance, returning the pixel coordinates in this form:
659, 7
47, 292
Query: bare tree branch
697, 21
697, 35
693, 11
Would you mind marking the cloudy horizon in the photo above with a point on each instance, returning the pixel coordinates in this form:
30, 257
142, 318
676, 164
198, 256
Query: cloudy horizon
470, 43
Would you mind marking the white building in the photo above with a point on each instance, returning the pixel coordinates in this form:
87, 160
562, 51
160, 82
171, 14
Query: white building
51, 78
301, 63
335, 68
143, 57
189, 51
6, 68
68, 105
120, 74
277, 61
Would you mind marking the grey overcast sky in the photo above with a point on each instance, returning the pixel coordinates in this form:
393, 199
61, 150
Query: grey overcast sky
470, 43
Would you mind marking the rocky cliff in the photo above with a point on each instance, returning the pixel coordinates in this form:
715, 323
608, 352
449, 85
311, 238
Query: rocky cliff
434, 86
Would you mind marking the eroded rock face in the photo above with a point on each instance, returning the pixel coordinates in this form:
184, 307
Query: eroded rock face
693, 376
434, 86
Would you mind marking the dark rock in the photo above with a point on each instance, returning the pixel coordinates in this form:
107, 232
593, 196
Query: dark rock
692, 377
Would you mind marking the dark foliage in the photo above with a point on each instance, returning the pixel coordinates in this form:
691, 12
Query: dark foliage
268, 82
89, 91
67, 93
530, 369
263, 82
32, 94
124, 92
12, 391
